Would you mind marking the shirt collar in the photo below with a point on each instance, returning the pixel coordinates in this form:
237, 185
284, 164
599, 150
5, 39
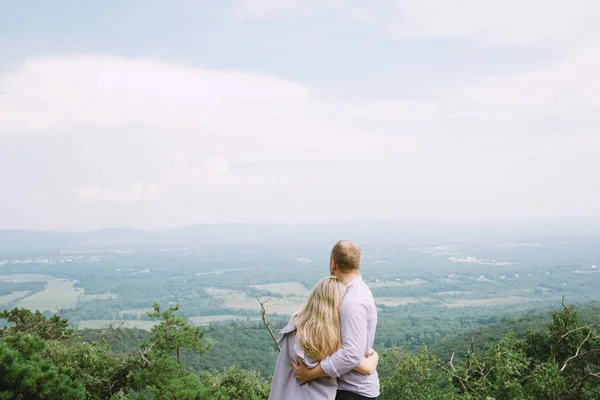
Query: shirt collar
354, 281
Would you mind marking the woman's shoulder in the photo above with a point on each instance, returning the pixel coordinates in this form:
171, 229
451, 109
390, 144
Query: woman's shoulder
291, 325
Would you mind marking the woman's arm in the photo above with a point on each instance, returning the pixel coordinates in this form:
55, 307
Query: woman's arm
368, 364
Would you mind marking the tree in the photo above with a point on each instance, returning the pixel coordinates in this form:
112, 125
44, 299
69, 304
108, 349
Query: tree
418, 376
24, 374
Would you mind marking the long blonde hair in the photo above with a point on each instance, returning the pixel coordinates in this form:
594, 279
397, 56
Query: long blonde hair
318, 323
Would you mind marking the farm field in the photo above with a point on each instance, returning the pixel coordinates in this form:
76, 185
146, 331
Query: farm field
58, 294
496, 301
413, 282
401, 301
286, 288
8, 298
238, 300
283, 306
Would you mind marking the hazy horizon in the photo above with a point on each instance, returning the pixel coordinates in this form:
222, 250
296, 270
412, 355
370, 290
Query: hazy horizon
518, 227
170, 114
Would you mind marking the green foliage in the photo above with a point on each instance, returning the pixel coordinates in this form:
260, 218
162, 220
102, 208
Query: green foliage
24, 374
23, 320
44, 358
163, 375
9, 287
561, 362
237, 384
244, 344
175, 333
418, 376
102, 373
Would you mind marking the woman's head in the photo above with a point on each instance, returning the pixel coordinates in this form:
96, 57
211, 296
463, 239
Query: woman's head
318, 324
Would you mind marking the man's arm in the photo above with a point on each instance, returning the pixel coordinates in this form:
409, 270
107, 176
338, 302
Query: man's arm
368, 365
354, 321
304, 374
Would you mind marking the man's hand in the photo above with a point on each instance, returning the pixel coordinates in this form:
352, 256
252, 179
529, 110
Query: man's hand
301, 371
303, 374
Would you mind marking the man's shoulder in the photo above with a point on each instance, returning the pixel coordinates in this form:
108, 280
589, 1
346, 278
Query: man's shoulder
360, 292
351, 301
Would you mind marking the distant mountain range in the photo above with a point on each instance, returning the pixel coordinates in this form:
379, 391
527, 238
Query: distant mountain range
390, 231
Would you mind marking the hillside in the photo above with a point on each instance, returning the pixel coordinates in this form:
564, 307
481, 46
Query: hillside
484, 337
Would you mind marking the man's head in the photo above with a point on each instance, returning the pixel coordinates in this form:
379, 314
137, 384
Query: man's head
345, 258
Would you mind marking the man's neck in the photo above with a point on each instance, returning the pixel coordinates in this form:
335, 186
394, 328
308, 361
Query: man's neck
348, 277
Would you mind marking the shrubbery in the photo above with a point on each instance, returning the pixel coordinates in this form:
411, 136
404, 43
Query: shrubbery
44, 358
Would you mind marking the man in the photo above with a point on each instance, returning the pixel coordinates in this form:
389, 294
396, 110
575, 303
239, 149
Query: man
358, 323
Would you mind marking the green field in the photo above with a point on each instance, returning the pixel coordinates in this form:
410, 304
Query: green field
496, 301
58, 294
412, 282
9, 298
285, 288
237, 300
25, 278
274, 305
401, 301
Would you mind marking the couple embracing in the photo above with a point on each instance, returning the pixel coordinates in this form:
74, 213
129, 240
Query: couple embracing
327, 347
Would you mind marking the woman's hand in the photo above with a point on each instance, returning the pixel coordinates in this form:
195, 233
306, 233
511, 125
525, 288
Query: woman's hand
368, 365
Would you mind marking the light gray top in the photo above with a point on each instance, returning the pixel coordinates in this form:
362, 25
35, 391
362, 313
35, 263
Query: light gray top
284, 385
358, 323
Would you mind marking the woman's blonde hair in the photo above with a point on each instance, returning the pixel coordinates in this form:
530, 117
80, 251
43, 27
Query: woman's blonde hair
318, 323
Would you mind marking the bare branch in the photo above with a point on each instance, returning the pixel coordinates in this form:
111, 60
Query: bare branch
471, 346
145, 352
144, 357
462, 381
450, 362
577, 352
264, 318
562, 337
111, 329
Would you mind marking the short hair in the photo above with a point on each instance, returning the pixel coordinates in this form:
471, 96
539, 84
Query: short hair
346, 255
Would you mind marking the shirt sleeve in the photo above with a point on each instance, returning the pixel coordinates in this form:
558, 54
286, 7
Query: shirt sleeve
354, 338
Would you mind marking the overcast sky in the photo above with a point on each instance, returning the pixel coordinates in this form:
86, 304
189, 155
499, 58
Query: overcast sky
156, 114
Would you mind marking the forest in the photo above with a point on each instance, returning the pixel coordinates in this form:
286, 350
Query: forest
556, 357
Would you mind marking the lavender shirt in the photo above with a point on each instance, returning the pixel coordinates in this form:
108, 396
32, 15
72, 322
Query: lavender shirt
284, 385
358, 322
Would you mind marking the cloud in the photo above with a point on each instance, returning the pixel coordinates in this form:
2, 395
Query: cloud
553, 23
122, 131
199, 112
148, 143
137, 193
569, 88
46, 93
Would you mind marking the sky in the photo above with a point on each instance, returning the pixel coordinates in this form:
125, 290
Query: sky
158, 114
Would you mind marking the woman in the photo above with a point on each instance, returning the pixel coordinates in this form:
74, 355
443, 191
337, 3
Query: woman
313, 334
